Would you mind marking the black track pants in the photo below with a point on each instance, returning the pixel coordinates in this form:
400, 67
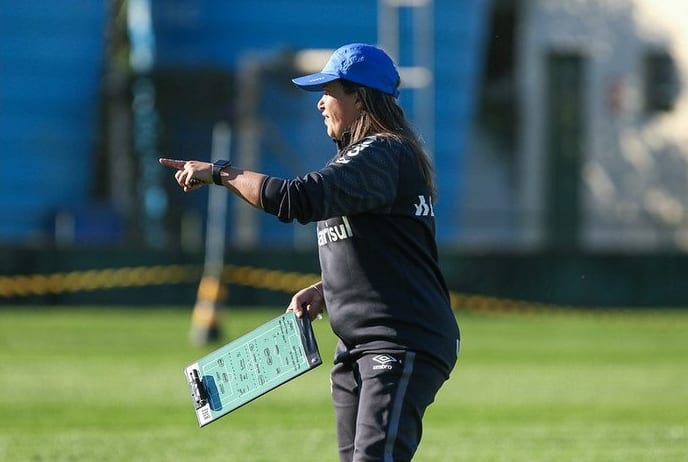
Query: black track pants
379, 402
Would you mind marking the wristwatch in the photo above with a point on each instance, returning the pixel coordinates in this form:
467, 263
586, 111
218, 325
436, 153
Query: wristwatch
218, 165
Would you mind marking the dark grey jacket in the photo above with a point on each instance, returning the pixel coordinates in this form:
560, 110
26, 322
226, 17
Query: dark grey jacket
376, 237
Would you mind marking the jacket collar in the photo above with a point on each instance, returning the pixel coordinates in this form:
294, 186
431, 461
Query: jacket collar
344, 141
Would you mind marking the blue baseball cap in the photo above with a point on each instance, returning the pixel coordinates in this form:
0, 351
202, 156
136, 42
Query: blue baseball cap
359, 63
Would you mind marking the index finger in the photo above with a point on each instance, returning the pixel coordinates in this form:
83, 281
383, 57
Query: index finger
172, 163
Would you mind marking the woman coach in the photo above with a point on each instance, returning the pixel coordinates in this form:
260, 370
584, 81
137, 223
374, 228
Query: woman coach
386, 298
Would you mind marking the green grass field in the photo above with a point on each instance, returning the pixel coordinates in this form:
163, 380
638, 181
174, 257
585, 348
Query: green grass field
97, 384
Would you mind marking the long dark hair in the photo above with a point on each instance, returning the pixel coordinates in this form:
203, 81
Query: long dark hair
381, 115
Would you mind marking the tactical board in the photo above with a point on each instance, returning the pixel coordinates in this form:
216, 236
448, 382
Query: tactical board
251, 366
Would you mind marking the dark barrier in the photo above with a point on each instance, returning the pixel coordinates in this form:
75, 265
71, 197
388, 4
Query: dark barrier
144, 277
267, 277
601, 280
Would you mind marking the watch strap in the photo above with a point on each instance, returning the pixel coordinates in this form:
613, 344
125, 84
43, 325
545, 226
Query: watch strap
218, 165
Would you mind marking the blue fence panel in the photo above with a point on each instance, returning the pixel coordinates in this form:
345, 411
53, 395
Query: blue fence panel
216, 33
211, 32
51, 60
458, 68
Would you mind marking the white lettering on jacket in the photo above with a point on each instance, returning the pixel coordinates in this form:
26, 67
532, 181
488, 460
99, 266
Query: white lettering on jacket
335, 233
354, 151
423, 207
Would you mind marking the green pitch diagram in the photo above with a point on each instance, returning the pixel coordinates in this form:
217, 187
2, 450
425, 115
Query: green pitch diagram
252, 365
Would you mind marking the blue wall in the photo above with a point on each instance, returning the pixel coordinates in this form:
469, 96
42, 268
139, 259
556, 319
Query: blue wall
215, 33
51, 61
460, 29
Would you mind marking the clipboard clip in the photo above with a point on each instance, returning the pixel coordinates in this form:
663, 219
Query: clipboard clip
198, 390
310, 345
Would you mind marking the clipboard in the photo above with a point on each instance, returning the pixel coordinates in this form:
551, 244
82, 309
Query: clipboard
252, 365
